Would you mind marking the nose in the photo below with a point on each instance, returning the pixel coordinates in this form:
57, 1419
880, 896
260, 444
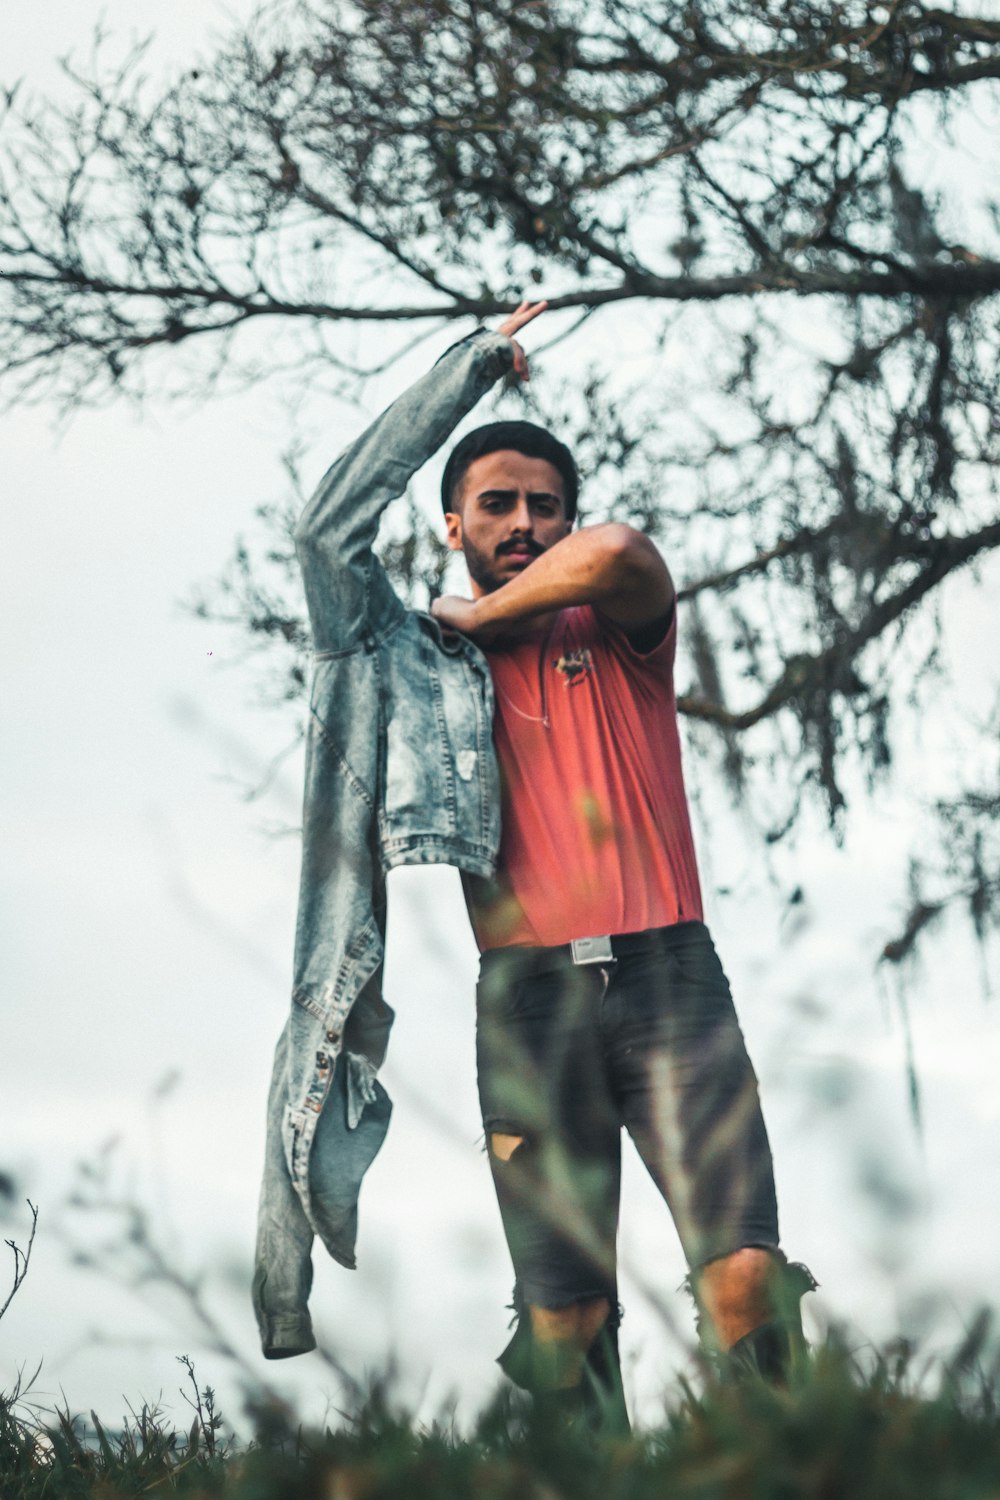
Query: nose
521, 520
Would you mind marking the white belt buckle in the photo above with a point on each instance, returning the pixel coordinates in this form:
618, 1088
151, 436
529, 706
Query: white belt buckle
592, 950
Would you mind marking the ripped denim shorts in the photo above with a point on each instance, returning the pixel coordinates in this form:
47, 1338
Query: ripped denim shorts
568, 1054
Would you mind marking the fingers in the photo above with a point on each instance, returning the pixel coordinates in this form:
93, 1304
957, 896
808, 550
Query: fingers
527, 311
522, 315
452, 610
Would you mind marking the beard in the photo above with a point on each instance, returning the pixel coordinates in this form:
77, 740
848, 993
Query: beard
483, 566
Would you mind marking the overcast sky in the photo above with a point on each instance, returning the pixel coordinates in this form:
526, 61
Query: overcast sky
148, 916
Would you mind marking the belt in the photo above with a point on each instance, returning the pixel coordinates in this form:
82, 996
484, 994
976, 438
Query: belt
603, 949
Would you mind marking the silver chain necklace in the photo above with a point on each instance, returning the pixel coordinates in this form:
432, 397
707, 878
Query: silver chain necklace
543, 653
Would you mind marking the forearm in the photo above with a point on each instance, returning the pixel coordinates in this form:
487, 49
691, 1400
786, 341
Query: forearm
612, 567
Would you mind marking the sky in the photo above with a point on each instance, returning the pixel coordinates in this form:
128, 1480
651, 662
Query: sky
148, 913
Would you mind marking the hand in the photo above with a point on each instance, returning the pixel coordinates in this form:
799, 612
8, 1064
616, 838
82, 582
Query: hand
511, 325
456, 613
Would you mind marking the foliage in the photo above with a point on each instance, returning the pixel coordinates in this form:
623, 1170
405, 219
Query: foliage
784, 346
721, 148
835, 1431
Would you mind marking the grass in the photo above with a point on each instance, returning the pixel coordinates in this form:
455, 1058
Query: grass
837, 1431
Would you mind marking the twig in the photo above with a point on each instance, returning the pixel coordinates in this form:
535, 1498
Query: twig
21, 1257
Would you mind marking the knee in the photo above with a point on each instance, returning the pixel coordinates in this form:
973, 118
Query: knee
737, 1291
748, 1288
577, 1324
741, 1271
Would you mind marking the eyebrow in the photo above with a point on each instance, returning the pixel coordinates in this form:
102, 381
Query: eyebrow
497, 494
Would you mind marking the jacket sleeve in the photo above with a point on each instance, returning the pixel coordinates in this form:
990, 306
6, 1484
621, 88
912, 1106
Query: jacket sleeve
348, 593
283, 1262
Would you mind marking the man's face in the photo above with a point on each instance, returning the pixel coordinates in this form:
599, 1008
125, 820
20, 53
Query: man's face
511, 509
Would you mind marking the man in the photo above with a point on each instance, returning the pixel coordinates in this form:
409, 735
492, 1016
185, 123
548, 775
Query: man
401, 769
602, 1003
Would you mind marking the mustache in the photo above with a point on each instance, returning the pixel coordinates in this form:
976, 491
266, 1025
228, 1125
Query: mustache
520, 544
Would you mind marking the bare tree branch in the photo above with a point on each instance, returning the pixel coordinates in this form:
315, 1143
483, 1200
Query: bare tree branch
22, 1258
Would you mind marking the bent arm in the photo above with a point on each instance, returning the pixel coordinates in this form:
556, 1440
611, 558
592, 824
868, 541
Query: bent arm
347, 591
613, 567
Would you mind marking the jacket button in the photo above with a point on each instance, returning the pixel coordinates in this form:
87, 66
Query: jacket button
332, 1036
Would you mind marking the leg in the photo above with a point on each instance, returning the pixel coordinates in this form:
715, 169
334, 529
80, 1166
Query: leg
554, 1151
688, 1097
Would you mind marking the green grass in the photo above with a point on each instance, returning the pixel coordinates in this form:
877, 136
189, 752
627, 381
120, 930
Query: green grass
835, 1432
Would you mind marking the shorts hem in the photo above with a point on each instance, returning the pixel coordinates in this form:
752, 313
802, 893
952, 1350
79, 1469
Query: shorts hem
741, 1242
551, 1300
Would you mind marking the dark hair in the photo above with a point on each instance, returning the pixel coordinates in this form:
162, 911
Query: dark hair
522, 437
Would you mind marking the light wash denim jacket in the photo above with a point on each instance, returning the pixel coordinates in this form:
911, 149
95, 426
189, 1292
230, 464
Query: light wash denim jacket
400, 770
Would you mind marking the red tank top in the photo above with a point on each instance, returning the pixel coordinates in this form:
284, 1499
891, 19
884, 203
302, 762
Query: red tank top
596, 834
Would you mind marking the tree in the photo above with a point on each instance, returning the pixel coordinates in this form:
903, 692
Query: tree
739, 178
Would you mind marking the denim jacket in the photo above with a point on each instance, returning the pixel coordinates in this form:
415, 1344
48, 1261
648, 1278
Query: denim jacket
400, 770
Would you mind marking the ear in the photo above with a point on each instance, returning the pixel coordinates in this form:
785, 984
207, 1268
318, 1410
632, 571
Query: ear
453, 530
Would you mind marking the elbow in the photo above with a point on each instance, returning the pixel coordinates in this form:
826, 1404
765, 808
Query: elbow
632, 564
303, 536
312, 544
328, 502
622, 540
626, 551
305, 527
314, 528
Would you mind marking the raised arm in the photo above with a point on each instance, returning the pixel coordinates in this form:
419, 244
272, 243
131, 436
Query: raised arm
347, 592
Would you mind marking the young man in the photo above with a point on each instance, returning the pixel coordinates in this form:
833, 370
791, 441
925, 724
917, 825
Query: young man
601, 1002
401, 769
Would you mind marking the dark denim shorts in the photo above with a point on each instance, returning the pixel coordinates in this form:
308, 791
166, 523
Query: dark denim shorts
568, 1055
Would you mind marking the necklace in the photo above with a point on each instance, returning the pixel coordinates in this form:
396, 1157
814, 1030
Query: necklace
534, 718
531, 718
